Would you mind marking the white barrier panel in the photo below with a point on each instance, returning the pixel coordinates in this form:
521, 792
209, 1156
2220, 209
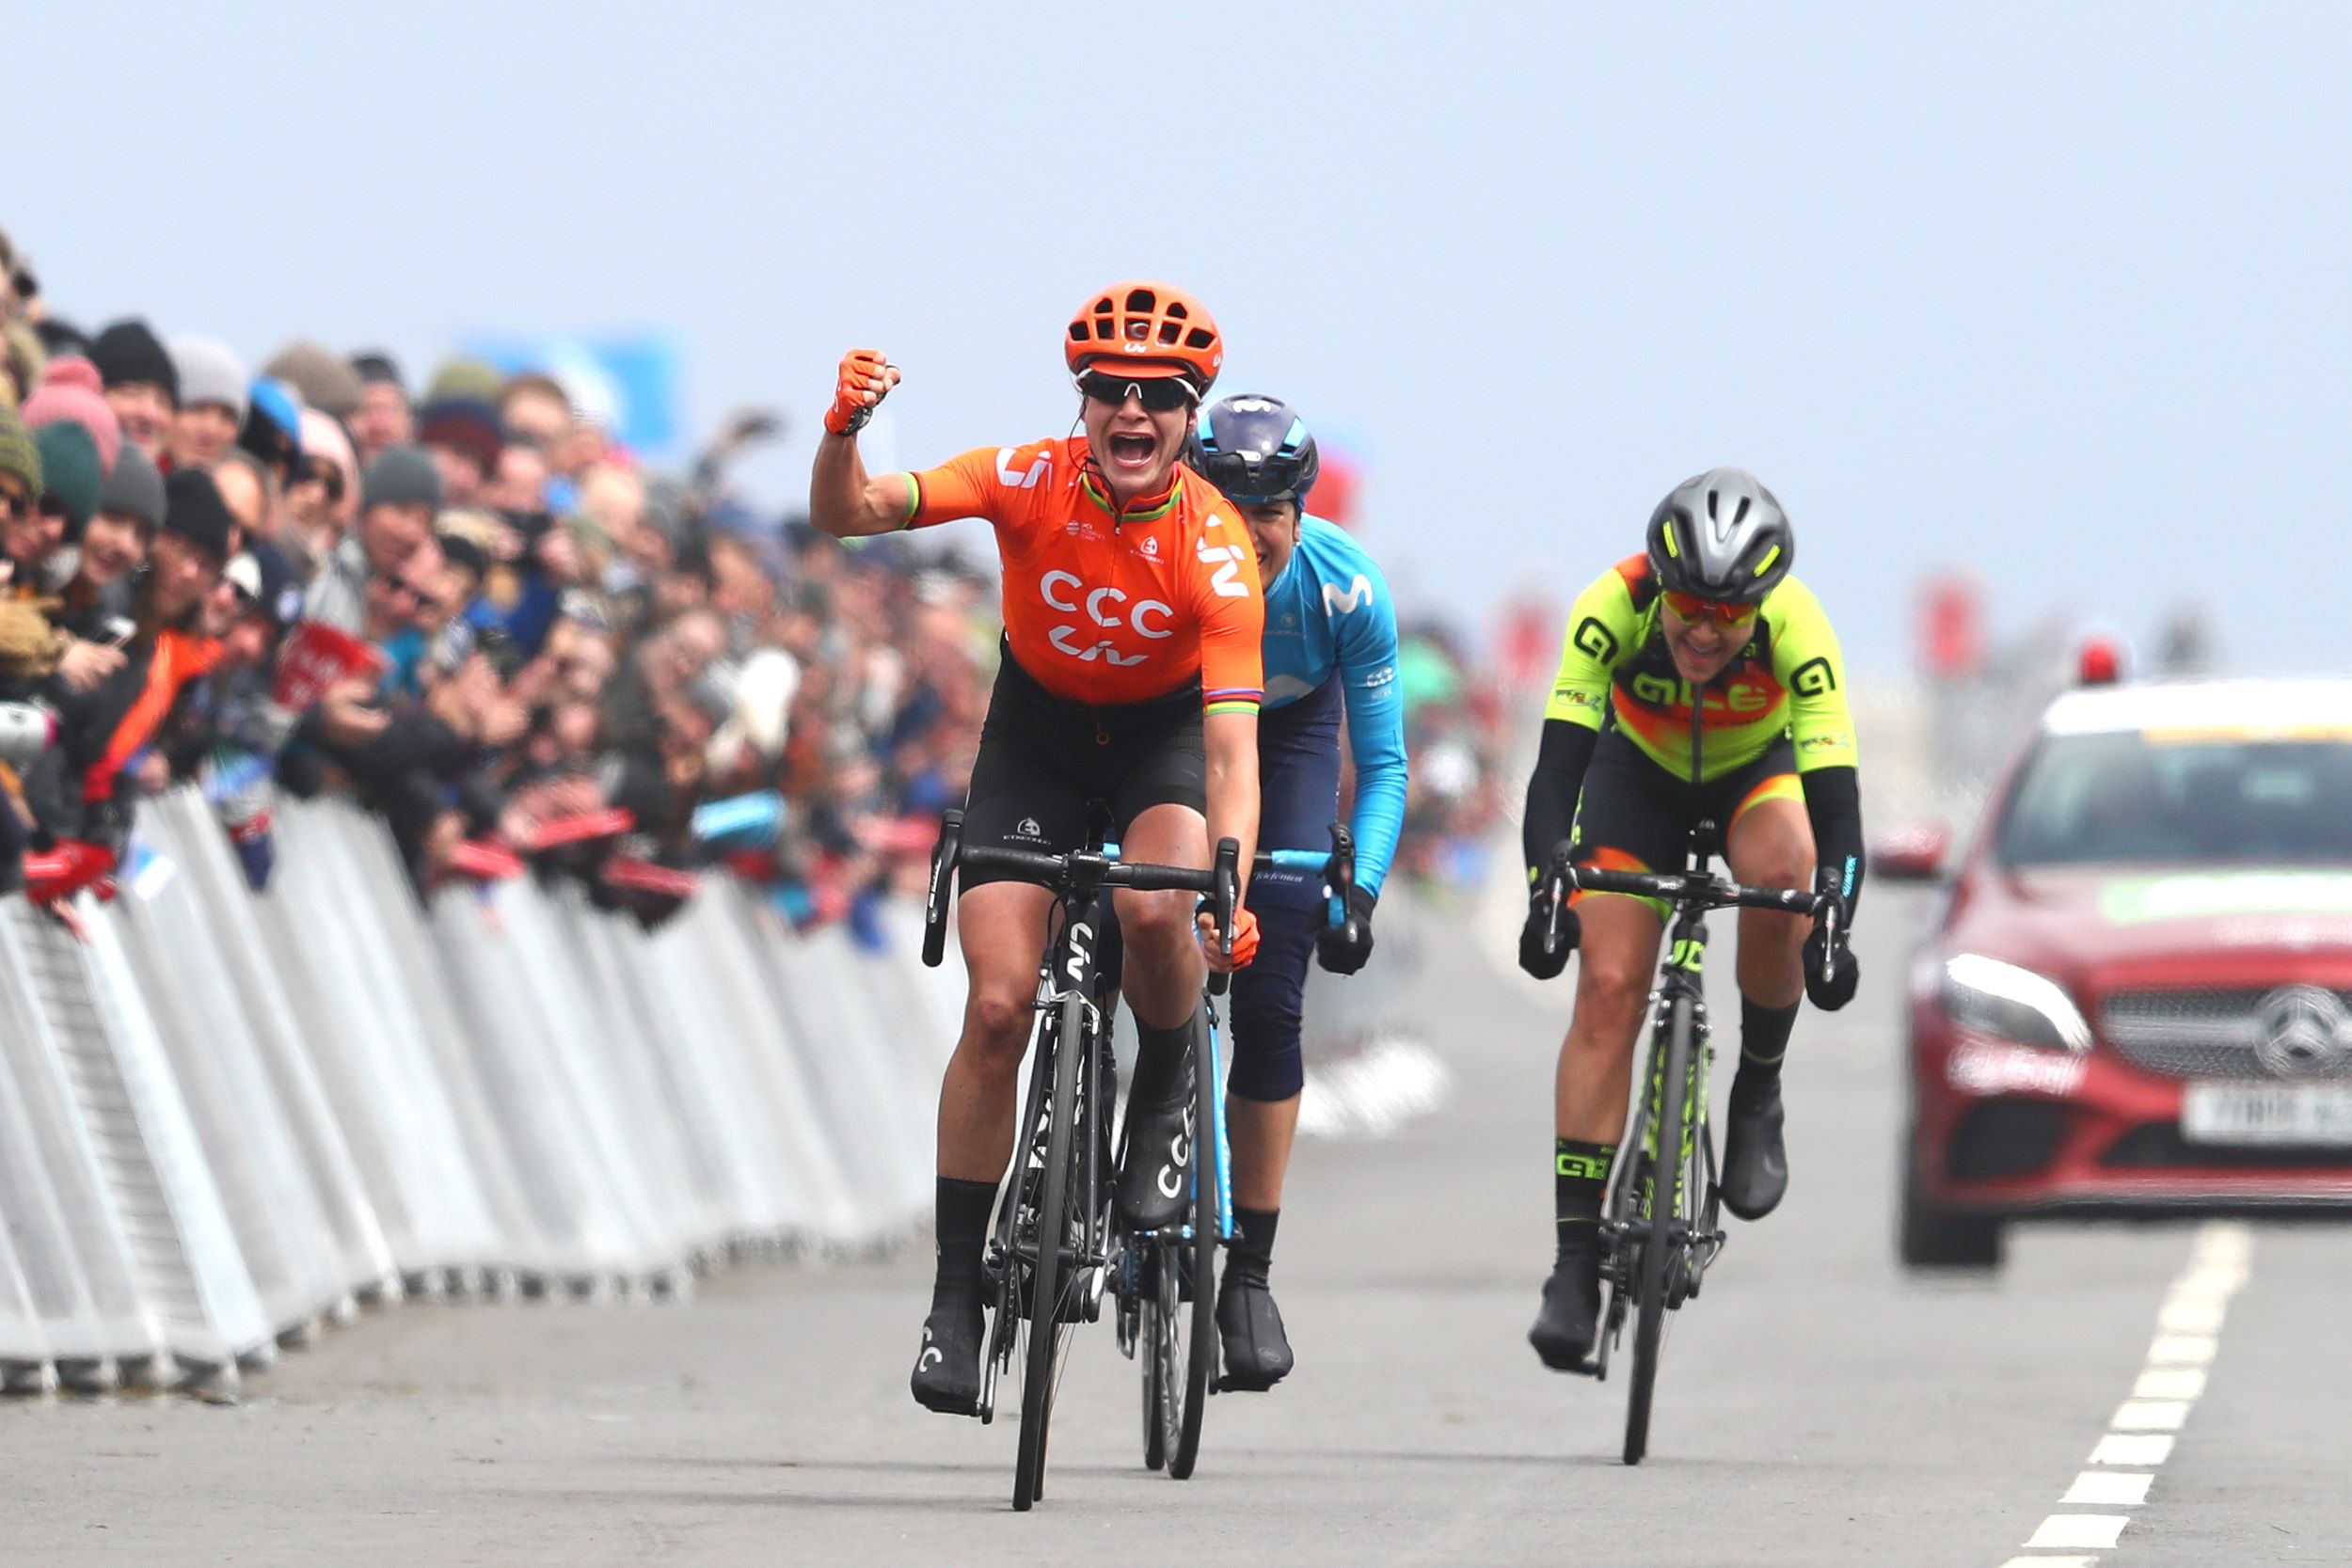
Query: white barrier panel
222, 1115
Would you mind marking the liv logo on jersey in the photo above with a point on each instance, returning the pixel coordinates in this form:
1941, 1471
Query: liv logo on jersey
1016, 479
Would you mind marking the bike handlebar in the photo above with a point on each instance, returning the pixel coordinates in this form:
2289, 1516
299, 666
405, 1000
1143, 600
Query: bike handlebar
1220, 882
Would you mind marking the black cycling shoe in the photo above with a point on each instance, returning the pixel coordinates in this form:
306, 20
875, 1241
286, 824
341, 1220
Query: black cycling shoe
1755, 1157
1152, 1189
1257, 1352
1569, 1319
947, 1371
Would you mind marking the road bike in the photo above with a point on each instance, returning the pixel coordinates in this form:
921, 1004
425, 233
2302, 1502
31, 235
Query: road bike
1058, 1247
1660, 1220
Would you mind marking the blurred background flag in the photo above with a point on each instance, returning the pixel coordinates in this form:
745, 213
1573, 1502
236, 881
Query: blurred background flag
629, 383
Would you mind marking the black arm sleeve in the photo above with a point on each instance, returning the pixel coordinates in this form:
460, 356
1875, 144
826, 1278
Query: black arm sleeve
1833, 800
1553, 790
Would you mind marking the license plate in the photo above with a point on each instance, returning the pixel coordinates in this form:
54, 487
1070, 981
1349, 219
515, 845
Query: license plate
2267, 1114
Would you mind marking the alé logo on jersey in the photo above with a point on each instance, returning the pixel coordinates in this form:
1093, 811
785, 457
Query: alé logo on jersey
1671, 691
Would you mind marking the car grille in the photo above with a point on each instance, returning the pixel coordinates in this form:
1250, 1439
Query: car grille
2207, 1034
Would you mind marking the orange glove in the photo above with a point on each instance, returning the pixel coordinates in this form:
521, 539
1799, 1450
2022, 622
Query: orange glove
866, 377
1245, 939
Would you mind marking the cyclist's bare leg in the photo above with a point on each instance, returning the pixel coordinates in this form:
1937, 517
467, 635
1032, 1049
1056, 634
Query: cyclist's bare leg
1615, 965
1594, 1078
1002, 928
1164, 968
1261, 1132
1770, 845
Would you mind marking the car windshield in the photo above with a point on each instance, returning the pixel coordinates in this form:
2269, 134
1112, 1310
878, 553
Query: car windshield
2189, 798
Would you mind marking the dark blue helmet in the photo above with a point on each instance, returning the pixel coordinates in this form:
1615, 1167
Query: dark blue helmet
1254, 449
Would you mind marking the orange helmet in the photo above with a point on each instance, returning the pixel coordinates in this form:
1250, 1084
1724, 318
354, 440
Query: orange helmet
1152, 329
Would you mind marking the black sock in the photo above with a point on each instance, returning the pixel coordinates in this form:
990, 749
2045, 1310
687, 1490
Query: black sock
1763, 1045
1580, 1177
963, 1232
1251, 1253
1159, 1077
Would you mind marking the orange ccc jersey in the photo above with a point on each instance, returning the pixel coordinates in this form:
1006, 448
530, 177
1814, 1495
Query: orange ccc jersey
1108, 609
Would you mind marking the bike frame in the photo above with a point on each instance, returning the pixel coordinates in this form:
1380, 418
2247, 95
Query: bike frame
1633, 1218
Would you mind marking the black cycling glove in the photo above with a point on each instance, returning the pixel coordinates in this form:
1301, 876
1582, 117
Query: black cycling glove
1828, 991
1342, 949
1532, 957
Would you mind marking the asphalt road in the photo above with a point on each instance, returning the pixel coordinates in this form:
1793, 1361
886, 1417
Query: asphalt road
1817, 1406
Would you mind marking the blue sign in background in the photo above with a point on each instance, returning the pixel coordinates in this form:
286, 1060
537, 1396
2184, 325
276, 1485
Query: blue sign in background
631, 382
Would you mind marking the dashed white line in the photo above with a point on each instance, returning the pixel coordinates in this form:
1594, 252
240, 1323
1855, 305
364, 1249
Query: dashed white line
2117, 1447
2109, 1488
2101, 1530
2140, 1437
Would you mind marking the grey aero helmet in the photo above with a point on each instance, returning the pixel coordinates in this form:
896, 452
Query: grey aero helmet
1721, 536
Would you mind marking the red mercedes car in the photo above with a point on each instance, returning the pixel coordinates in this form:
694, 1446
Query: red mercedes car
2138, 996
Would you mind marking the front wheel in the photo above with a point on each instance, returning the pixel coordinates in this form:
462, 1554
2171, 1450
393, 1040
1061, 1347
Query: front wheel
1049, 1323
1200, 1254
1655, 1269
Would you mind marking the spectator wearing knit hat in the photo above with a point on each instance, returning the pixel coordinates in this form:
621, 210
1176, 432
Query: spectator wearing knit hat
323, 382
399, 496
71, 477
384, 417
20, 474
464, 436
168, 653
115, 545
23, 360
272, 430
142, 385
323, 500
212, 401
69, 389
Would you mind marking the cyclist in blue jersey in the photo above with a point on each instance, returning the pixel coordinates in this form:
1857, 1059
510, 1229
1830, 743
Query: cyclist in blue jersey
1331, 646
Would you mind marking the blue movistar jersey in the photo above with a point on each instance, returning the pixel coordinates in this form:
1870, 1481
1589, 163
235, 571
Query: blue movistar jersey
1330, 610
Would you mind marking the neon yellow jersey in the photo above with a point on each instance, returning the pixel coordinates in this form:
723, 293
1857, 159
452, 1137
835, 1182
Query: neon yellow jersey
1788, 680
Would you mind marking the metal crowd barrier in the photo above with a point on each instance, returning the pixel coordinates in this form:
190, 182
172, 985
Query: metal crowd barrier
228, 1119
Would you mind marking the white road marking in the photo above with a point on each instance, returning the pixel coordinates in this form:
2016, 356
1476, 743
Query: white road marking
2117, 1447
2149, 1415
2109, 1488
2081, 1530
2139, 1439
2170, 1383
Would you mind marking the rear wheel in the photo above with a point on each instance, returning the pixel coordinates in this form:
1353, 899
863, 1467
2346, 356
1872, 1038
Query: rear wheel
1931, 1236
1656, 1269
1199, 1253
1049, 1320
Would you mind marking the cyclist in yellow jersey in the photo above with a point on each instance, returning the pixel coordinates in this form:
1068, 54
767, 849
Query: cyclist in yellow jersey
1709, 614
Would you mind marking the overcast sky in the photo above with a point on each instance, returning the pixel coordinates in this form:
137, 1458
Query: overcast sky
2058, 292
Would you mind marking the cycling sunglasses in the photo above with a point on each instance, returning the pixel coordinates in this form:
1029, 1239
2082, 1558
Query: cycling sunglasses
1163, 394
1689, 606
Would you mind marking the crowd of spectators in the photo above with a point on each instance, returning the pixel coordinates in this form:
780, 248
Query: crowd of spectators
461, 603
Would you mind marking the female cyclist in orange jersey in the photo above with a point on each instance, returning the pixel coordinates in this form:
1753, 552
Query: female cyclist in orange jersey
1131, 676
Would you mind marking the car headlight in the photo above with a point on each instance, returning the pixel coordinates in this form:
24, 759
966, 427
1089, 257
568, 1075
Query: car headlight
1995, 998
